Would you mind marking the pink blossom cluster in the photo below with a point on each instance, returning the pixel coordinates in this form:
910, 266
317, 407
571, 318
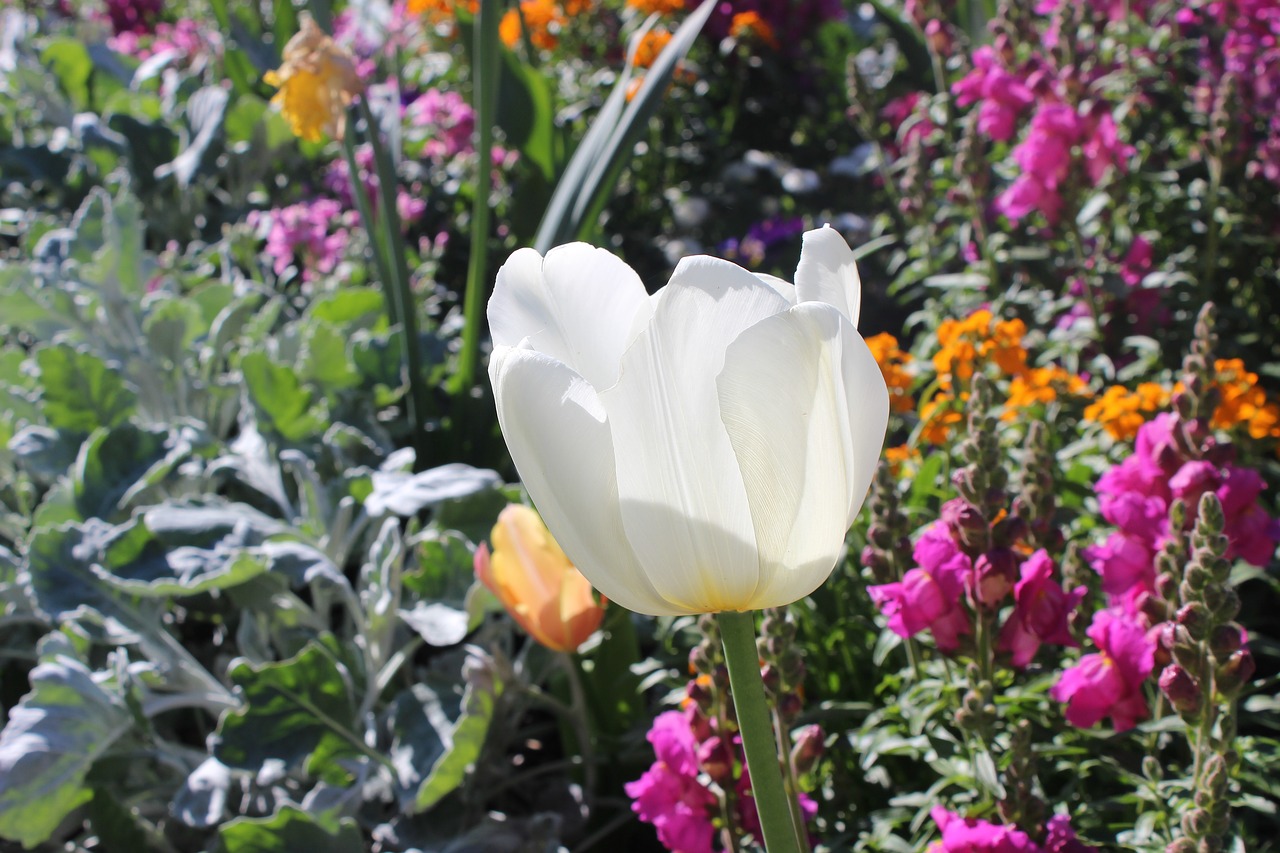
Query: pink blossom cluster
1136, 495
908, 115
1238, 45
448, 122
1142, 305
1061, 137
186, 38
973, 835
313, 235
952, 580
410, 205
675, 794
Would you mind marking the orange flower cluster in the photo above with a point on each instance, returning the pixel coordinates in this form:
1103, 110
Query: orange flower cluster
893, 364
1243, 402
542, 21
749, 26
661, 7
651, 44
1122, 412
439, 11
1042, 385
976, 339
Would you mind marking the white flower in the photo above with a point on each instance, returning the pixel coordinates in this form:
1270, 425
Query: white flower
702, 449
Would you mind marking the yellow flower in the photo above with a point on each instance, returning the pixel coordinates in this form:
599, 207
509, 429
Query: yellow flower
317, 82
536, 583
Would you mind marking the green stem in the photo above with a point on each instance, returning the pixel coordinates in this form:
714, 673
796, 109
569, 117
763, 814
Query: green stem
485, 82
738, 633
581, 722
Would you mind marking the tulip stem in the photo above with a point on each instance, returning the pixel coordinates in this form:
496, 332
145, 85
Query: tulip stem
738, 633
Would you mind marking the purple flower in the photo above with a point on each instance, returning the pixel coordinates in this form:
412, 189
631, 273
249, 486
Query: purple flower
1061, 838
929, 596
1040, 613
972, 835
1109, 682
669, 795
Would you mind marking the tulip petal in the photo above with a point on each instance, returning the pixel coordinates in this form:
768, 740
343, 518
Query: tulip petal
828, 273
806, 408
683, 503
562, 447
578, 305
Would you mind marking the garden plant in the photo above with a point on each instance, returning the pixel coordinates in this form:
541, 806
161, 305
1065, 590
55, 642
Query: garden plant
515, 426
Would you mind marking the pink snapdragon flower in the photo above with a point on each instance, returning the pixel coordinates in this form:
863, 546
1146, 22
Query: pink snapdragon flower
669, 795
929, 597
1003, 96
1109, 682
1061, 838
1041, 611
972, 835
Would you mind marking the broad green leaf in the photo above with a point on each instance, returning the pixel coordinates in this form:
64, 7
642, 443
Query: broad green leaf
299, 711
407, 494
56, 571
345, 307
279, 397
202, 800
288, 831
326, 359
116, 465
53, 737
206, 109
138, 564
68, 58
81, 393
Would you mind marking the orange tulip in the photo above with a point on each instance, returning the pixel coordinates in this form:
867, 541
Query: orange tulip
535, 581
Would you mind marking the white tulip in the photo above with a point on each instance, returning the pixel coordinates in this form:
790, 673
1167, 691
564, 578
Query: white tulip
702, 449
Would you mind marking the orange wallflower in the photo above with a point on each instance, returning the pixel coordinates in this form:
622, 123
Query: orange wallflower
661, 7
437, 11
1041, 385
650, 46
1243, 402
542, 20
1122, 412
939, 416
896, 457
749, 25
893, 364
966, 344
536, 583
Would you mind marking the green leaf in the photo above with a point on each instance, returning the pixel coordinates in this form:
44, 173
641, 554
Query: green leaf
326, 359
53, 737
463, 741
116, 465
81, 393
299, 711
206, 109
345, 307
68, 58
139, 564
290, 830
58, 575
279, 397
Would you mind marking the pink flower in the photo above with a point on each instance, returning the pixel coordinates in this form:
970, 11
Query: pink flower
971, 835
929, 596
1041, 611
1061, 838
1109, 683
669, 795
1103, 150
1003, 95
1025, 195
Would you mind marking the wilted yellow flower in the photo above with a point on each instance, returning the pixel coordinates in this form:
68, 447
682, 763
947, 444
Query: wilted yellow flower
317, 82
535, 581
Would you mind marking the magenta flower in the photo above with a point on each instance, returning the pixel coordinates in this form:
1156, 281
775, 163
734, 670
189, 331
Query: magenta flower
971, 835
1061, 838
669, 795
1003, 96
1041, 611
1109, 683
929, 596
311, 234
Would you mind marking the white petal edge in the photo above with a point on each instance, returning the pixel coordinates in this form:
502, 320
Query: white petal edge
828, 273
683, 504
577, 305
561, 444
806, 409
